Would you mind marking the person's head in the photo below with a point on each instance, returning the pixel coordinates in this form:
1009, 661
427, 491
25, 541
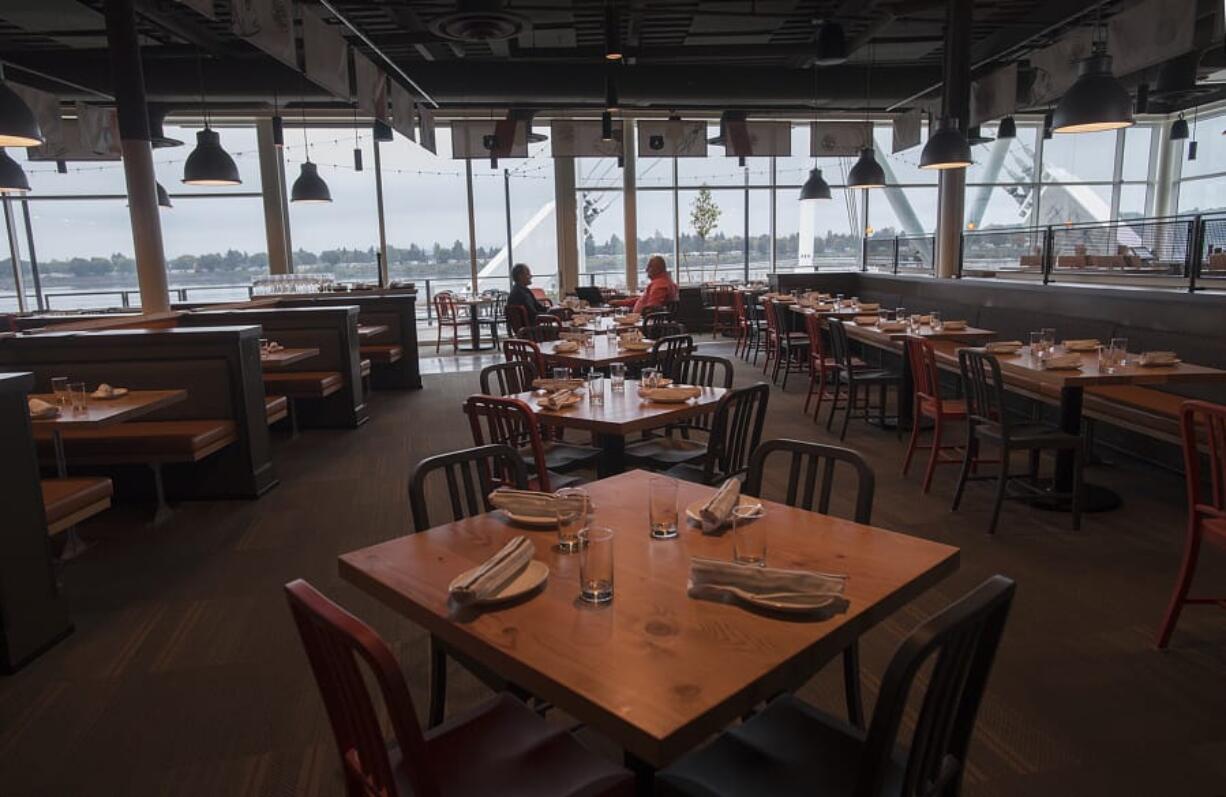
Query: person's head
656, 266
521, 274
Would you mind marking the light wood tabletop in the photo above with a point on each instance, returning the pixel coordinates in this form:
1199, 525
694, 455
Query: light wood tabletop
967, 336
282, 358
107, 412
625, 412
605, 352
654, 669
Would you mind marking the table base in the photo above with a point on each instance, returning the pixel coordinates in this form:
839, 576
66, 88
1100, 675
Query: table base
1094, 498
613, 457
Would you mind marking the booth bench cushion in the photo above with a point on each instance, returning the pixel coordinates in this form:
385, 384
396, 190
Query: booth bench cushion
144, 441
275, 408
69, 501
303, 384
382, 353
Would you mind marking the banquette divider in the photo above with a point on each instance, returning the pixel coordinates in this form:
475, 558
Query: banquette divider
219, 367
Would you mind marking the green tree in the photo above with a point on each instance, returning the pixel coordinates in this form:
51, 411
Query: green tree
704, 218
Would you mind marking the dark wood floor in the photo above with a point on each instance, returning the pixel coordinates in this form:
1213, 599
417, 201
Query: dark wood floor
185, 677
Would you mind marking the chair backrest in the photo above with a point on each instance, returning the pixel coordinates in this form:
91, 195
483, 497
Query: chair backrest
511, 422
444, 306
736, 430
504, 379
771, 310
335, 643
471, 475
657, 327
540, 332
817, 346
738, 305
721, 295
922, 360
667, 352
840, 349
1204, 426
517, 318
962, 641
521, 350
753, 308
819, 461
983, 388
561, 312
550, 319
705, 370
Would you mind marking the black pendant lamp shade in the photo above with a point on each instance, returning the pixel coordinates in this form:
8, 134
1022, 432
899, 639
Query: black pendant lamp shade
278, 131
1007, 128
1097, 101
209, 164
310, 187
157, 133
867, 173
18, 125
163, 197
815, 187
606, 126
12, 178
610, 94
612, 34
946, 148
1179, 129
831, 45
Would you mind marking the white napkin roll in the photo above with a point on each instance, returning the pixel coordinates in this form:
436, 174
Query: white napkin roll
528, 503
495, 573
709, 577
39, 407
715, 512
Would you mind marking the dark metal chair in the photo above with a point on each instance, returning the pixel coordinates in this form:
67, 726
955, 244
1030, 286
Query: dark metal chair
661, 325
791, 748
987, 419
518, 349
820, 463
785, 345
517, 319
514, 376
667, 352
736, 430
706, 370
856, 381
541, 332
496, 419
664, 452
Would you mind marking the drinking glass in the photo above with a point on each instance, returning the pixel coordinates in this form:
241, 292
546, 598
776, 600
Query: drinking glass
596, 564
900, 314
1036, 344
573, 507
1049, 338
651, 377
561, 373
617, 377
662, 499
1119, 348
916, 322
595, 389
838, 297
59, 386
76, 392
748, 538
934, 319
589, 341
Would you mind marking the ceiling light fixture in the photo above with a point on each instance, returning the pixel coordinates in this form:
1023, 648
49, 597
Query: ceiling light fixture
1096, 101
357, 143
1179, 129
946, 148
867, 172
831, 44
815, 187
309, 187
13, 178
606, 126
278, 124
208, 164
18, 124
610, 93
612, 33
1007, 128
163, 197
381, 131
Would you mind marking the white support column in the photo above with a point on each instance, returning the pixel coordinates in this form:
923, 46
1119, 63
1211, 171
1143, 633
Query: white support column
630, 202
951, 208
10, 228
567, 224
472, 225
385, 268
276, 211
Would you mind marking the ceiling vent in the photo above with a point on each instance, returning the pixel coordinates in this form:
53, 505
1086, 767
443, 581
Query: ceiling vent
478, 21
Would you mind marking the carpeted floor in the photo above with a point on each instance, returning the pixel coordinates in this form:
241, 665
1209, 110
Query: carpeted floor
185, 677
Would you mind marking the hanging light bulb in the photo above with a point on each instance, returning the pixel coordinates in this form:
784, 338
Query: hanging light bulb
13, 178
867, 172
946, 148
208, 164
1096, 101
1007, 128
612, 33
163, 197
815, 187
18, 124
1179, 129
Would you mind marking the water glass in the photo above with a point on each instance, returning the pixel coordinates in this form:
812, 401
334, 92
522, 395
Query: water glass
900, 314
573, 507
1036, 344
561, 373
617, 377
59, 386
1119, 348
748, 537
651, 378
595, 389
662, 498
77, 394
1049, 338
596, 564
934, 319
917, 321
838, 298
589, 341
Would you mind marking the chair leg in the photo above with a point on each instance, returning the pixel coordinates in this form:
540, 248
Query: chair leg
812, 383
439, 342
787, 368
968, 458
916, 423
1187, 569
935, 454
851, 403
438, 684
1001, 483
834, 402
851, 684
821, 393
1078, 464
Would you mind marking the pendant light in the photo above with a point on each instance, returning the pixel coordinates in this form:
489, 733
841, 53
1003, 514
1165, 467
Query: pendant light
309, 187
18, 124
1007, 128
815, 187
357, 143
1179, 129
163, 197
1047, 125
13, 178
867, 172
946, 148
612, 33
831, 45
208, 164
278, 124
1192, 145
606, 126
1096, 101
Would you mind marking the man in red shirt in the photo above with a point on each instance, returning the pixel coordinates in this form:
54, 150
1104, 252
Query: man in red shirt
660, 288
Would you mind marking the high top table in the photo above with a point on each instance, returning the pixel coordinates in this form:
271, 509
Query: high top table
655, 670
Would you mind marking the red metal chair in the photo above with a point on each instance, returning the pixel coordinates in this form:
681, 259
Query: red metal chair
742, 323
501, 747
517, 318
445, 310
723, 313
821, 365
548, 320
517, 349
783, 344
499, 419
921, 358
1203, 425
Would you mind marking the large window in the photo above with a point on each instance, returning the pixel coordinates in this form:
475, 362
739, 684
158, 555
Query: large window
1200, 183
599, 212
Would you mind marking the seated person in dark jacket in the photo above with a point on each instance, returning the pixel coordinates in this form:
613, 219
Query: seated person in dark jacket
521, 294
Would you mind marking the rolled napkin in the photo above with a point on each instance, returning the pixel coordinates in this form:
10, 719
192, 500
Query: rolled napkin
106, 391
1082, 344
566, 346
954, 325
674, 393
495, 573
528, 503
866, 320
39, 408
870, 307
892, 326
1003, 347
553, 385
558, 399
1062, 362
712, 578
272, 347
718, 509
1152, 359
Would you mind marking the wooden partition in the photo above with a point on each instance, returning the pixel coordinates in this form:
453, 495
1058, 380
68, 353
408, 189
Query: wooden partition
33, 614
218, 367
397, 312
332, 330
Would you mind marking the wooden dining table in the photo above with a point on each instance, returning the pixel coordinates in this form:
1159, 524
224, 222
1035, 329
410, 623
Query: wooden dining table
623, 413
605, 352
283, 358
366, 331
655, 670
474, 305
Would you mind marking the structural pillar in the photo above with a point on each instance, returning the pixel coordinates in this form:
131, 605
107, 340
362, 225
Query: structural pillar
276, 211
566, 222
129, 82
472, 225
956, 104
630, 208
10, 228
385, 268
